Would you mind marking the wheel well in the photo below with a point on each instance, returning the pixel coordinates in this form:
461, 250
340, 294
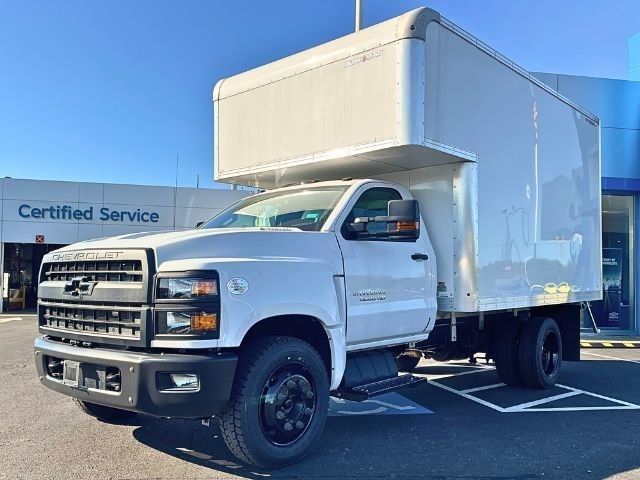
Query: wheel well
304, 327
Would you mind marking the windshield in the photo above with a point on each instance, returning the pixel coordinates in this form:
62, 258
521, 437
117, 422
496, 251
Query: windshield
304, 208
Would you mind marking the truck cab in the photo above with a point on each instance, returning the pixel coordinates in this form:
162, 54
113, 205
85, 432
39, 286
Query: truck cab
322, 264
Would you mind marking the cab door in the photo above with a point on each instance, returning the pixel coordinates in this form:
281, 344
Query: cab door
390, 285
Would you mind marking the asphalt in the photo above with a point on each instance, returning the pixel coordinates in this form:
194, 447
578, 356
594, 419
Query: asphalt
586, 428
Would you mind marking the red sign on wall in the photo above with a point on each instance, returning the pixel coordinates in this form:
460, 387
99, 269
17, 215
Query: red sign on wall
39, 238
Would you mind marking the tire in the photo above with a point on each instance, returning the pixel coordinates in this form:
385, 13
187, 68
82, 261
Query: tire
506, 352
104, 414
407, 363
540, 353
274, 377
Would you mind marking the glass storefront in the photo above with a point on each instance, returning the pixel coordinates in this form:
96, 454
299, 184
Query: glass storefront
21, 266
616, 312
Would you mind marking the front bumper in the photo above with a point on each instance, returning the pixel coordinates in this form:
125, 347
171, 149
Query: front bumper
139, 372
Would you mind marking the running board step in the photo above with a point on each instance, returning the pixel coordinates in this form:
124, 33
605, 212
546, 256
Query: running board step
364, 392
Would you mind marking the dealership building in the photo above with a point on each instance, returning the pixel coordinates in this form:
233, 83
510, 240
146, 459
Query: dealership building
39, 216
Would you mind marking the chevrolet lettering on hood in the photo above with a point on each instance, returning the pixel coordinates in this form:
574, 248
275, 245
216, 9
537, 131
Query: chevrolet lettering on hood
75, 256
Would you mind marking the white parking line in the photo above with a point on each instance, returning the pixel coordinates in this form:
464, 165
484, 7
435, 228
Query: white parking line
469, 397
523, 406
532, 406
10, 319
486, 387
578, 409
602, 397
611, 358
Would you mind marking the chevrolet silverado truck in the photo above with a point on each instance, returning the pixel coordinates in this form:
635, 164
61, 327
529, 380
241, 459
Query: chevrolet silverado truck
423, 197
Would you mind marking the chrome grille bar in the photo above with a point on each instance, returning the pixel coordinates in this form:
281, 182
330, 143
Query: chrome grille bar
120, 320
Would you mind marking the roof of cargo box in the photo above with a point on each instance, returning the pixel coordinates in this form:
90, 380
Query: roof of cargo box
412, 24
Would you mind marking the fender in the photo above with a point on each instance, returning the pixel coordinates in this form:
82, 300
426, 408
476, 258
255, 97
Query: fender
277, 286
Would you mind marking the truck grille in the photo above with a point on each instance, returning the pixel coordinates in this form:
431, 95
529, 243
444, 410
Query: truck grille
97, 296
111, 320
98, 270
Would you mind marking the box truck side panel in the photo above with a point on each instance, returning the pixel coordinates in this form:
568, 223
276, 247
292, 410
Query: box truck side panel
538, 175
333, 106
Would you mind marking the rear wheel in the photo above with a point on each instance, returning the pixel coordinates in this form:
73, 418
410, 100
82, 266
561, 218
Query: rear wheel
506, 352
104, 414
540, 353
279, 402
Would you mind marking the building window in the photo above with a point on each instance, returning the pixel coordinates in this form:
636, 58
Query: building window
616, 312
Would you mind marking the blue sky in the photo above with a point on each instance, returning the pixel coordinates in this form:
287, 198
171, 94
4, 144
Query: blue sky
112, 91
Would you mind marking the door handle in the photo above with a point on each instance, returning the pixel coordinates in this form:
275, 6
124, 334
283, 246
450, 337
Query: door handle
418, 257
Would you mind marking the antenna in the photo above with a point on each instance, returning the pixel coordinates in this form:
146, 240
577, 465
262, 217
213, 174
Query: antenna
358, 15
177, 162
197, 180
175, 192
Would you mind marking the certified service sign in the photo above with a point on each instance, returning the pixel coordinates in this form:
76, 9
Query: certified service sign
237, 286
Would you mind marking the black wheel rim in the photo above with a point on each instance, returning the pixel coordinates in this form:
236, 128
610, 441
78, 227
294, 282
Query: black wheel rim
287, 404
550, 354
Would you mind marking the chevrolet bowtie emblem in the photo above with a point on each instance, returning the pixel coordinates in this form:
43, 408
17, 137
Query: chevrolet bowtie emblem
79, 286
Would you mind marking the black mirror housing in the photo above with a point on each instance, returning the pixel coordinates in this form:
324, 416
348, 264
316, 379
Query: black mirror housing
403, 220
407, 210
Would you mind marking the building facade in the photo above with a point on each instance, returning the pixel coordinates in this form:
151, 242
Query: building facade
617, 103
39, 216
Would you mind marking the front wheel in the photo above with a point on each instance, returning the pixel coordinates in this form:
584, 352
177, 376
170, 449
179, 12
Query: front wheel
279, 402
540, 353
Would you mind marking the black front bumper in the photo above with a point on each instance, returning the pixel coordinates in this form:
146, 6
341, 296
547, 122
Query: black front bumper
139, 389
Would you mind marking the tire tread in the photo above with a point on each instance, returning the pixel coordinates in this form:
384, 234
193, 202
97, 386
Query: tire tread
506, 352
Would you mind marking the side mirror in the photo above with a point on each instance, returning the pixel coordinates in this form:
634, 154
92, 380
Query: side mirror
403, 220
199, 224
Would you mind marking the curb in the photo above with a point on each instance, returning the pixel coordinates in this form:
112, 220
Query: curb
609, 344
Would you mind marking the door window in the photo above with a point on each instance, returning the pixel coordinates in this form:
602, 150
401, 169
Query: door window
372, 203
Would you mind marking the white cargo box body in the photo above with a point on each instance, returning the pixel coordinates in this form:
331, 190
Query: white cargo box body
506, 170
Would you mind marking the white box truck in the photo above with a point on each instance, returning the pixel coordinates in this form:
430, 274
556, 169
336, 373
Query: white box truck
425, 197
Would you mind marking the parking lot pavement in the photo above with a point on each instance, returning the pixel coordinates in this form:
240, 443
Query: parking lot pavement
462, 423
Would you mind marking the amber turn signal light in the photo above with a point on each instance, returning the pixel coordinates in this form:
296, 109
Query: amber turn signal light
204, 321
407, 226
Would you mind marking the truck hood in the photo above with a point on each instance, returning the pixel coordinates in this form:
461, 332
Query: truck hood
224, 244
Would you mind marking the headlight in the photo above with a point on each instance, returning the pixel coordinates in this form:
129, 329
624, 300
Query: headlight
187, 288
187, 304
182, 322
